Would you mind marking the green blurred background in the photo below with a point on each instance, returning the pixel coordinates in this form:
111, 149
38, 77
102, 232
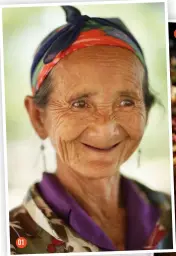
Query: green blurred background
23, 29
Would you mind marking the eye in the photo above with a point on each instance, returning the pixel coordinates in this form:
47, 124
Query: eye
79, 104
127, 103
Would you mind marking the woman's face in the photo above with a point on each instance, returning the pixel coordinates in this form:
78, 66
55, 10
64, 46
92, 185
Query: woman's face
96, 115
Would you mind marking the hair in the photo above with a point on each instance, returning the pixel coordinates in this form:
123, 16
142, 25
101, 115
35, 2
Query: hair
41, 97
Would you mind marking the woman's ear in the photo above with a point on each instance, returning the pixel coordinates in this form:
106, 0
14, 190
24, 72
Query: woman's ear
36, 117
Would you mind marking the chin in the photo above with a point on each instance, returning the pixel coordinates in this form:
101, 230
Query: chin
97, 170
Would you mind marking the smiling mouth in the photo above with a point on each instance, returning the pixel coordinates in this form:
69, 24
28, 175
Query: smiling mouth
101, 149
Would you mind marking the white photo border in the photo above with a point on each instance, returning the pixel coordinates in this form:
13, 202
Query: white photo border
2, 6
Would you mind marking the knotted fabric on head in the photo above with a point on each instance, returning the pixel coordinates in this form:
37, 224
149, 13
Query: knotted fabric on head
80, 31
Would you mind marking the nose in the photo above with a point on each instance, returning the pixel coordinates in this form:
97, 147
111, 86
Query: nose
104, 126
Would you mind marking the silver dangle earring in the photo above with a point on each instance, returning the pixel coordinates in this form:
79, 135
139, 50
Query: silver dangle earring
42, 148
139, 158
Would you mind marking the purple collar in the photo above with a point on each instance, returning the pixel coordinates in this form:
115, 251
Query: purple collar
141, 216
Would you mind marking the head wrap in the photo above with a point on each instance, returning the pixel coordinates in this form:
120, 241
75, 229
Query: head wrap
80, 31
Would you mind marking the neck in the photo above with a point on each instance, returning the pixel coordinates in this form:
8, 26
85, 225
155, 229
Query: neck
98, 197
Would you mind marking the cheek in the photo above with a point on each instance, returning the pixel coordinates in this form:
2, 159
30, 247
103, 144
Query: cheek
133, 123
66, 127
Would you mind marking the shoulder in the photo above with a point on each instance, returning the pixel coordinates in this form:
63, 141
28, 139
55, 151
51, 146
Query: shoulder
157, 198
162, 201
15, 228
20, 225
21, 220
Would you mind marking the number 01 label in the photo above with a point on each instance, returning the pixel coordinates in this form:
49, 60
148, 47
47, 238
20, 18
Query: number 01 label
21, 242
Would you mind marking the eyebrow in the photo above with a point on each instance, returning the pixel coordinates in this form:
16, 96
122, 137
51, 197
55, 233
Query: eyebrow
128, 92
124, 93
79, 95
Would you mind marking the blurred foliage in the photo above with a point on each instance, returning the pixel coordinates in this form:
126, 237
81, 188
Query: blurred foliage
25, 27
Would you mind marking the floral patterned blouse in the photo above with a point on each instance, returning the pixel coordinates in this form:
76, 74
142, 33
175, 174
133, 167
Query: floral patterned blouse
51, 221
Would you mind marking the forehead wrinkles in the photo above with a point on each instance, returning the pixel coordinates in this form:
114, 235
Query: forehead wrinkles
98, 64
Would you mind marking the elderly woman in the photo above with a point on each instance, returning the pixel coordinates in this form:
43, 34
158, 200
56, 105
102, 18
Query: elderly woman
91, 98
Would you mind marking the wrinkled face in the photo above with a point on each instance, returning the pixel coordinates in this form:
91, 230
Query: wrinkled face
96, 115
